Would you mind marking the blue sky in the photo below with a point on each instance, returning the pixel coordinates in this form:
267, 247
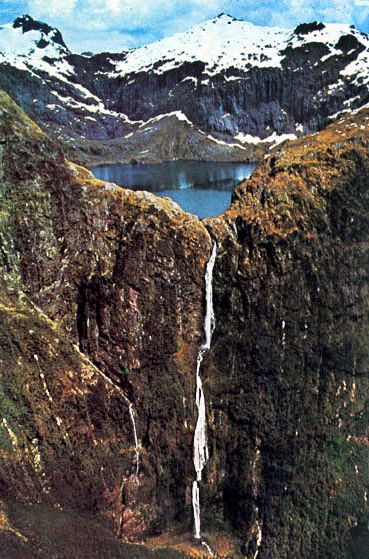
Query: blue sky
113, 25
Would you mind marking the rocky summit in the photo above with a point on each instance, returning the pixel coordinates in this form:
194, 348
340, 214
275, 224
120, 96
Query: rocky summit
229, 87
109, 371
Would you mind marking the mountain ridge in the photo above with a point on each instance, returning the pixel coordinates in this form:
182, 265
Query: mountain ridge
237, 82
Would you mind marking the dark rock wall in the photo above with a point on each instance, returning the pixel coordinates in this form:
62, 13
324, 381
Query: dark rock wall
287, 377
263, 100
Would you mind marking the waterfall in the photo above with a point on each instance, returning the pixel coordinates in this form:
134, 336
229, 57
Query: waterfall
137, 446
259, 537
200, 446
196, 508
210, 316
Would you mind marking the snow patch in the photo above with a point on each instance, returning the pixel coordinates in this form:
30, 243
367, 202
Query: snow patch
358, 68
247, 138
220, 43
190, 78
274, 138
222, 143
179, 115
224, 42
14, 42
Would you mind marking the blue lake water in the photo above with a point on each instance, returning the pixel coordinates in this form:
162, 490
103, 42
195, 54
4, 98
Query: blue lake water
201, 188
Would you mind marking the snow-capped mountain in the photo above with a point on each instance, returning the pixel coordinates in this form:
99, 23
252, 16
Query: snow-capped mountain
234, 81
225, 42
25, 36
220, 44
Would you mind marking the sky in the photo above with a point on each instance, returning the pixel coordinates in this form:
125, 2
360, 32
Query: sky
114, 25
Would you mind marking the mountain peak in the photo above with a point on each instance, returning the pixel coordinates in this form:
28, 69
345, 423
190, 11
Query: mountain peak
306, 28
28, 23
225, 15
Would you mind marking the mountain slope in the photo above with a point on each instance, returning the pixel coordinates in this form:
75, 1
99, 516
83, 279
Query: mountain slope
233, 80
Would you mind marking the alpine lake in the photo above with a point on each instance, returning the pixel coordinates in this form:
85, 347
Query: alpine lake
198, 187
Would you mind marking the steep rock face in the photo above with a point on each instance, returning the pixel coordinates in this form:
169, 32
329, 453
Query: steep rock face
66, 443
289, 368
122, 274
60, 417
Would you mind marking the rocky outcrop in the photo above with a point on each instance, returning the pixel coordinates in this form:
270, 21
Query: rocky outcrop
121, 274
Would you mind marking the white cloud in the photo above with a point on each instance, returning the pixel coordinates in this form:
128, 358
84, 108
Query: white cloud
52, 8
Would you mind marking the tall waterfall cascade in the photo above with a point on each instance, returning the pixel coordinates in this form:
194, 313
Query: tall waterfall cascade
200, 445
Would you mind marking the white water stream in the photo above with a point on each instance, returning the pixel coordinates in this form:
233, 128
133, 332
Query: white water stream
131, 408
137, 444
200, 446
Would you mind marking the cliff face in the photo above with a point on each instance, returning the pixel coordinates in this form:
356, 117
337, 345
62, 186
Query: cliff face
253, 100
121, 274
291, 297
